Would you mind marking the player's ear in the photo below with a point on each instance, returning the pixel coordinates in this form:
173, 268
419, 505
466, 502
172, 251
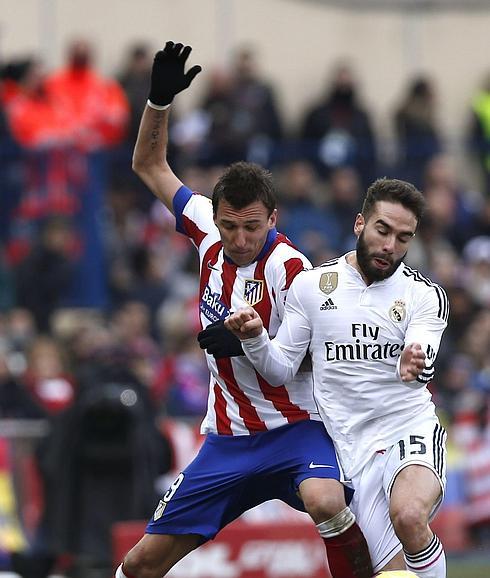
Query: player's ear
273, 219
359, 224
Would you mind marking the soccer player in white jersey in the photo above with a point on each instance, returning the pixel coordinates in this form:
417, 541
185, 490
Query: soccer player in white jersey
262, 442
373, 327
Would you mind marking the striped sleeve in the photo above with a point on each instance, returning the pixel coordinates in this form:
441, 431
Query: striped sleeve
427, 325
287, 262
193, 215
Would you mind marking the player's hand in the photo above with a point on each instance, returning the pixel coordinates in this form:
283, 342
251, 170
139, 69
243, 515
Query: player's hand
219, 341
412, 362
245, 323
168, 76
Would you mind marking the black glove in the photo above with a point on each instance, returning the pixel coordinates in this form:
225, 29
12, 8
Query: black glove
220, 342
167, 74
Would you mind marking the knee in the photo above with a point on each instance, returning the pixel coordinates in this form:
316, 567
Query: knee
138, 564
323, 506
409, 520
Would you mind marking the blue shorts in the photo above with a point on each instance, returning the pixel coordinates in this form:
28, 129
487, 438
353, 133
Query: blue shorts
232, 474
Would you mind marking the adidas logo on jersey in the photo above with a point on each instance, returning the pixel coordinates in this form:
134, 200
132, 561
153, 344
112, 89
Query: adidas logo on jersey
329, 304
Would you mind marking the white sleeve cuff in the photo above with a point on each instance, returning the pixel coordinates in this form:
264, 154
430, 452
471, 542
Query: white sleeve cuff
397, 371
255, 344
157, 106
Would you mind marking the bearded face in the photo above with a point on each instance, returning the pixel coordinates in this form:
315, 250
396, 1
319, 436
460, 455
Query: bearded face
375, 265
383, 238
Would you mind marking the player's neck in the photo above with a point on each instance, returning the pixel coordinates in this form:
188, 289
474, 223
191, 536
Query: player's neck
351, 259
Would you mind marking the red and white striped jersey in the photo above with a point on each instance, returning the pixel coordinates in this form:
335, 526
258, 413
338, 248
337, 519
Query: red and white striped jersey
240, 401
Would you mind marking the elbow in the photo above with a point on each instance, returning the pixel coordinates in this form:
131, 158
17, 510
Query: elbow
277, 379
140, 166
148, 169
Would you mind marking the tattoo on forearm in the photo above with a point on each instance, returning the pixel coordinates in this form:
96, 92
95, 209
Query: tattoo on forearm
156, 131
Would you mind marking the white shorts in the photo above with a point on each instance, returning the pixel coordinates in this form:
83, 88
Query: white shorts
425, 445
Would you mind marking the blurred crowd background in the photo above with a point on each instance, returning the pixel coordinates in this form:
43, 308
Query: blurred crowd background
102, 382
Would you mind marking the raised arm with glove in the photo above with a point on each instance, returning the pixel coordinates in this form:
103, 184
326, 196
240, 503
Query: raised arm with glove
168, 78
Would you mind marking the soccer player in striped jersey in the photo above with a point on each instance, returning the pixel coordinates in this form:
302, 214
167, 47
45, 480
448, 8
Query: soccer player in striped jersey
262, 442
373, 327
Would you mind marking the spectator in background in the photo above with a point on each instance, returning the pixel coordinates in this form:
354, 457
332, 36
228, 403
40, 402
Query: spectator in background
20, 333
257, 119
337, 130
220, 145
480, 130
90, 343
454, 208
454, 388
9, 151
47, 377
472, 427
476, 255
50, 393
44, 278
416, 130
15, 400
137, 349
303, 217
452, 219
135, 81
7, 293
150, 286
96, 104
11, 73
35, 119
344, 200
463, 309
243, 116
476, 342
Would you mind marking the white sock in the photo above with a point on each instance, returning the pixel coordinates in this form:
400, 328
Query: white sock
120, 573
430, 562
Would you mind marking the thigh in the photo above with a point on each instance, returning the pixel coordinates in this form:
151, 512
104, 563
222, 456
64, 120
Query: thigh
198, 500
305, 450
371, 507
298, 453
281, 459
158, 553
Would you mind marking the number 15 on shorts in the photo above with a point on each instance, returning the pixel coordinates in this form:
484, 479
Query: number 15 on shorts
414, 446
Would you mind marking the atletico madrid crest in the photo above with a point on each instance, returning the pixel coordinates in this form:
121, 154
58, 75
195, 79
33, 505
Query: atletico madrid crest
159, 511
253, 291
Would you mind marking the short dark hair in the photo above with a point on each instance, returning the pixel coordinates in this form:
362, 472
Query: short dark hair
394, 191
244, 183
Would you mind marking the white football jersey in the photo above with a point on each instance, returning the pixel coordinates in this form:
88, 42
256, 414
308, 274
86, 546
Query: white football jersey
355, 334
240, 401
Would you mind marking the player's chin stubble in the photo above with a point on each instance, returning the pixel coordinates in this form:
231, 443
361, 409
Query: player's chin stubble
364, 258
